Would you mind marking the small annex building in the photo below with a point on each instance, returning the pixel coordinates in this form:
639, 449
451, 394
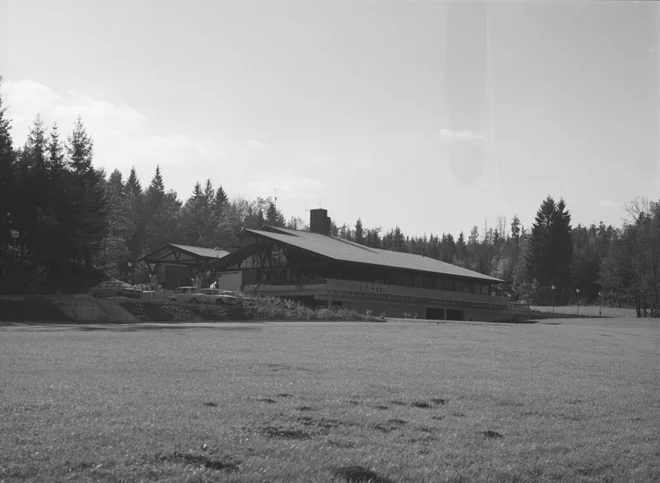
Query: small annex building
187, 262
318, 269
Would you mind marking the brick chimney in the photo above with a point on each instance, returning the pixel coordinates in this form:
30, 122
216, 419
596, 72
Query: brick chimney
319, 221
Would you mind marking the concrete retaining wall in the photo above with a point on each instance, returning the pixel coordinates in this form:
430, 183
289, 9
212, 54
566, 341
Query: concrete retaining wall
84, 308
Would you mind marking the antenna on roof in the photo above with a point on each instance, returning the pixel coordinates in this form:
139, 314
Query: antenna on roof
306, 210
320, 204
275, 197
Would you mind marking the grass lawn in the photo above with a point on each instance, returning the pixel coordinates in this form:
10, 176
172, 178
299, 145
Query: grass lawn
561, 400
589, 310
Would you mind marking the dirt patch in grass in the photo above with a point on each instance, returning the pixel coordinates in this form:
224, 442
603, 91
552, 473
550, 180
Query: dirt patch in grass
437, 418
390, 425
438, 401
421, 405
283, 394
341, 443
493, 435
398, 403
382, 407
359, 474
203, 461
267, 400
280, 433
323, 425
304, 408
210, 404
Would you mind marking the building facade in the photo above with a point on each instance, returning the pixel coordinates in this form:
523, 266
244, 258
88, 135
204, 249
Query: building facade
318, 269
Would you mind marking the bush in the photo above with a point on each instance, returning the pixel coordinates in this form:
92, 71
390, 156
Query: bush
273, 308
257, 308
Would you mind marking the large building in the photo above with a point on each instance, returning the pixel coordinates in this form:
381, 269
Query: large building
319, 269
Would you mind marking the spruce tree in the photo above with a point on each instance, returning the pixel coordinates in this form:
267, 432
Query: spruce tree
89, 204
7, 173
550, 249
221, 198
359, 232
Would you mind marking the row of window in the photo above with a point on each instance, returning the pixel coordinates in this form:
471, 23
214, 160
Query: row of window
419, 300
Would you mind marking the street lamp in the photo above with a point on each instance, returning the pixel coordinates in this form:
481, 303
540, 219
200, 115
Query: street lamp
553, 298
577, 290
14, 235
600, 303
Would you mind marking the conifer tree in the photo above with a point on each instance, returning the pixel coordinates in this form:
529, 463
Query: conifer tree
359, 232
7, 174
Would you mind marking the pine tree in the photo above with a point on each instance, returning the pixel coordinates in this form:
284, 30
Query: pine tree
89, 204
198, 192
274, 217
221, 198
80, 149
157, 186
550, 249
359, 232
461, 251
561, 245
8, 178
135, 195
133, 185
55, 151
209, 192
399, 240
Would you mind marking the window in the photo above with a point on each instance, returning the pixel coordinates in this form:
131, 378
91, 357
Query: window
448, 285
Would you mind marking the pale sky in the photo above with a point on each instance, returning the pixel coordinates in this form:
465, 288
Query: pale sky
375, 109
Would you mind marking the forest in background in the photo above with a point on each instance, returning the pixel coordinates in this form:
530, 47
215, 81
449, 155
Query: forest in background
59, 214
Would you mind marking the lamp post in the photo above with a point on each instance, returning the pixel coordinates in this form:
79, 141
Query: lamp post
577, 291
130, 271
600, 303
553, 298
14, 235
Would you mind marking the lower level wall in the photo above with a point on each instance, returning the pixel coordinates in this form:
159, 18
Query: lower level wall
400, 310
396, 310
484, 315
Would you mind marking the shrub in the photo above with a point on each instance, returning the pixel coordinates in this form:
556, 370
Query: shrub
273, 308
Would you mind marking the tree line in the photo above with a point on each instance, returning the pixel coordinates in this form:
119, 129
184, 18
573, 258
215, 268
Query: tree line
68, 215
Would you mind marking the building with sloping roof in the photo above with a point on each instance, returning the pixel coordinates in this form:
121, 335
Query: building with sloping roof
196, 258
319, 269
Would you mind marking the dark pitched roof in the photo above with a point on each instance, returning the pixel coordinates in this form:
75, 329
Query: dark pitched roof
176, 254
346, 251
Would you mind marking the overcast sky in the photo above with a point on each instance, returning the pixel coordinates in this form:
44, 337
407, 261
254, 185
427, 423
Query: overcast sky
418, 113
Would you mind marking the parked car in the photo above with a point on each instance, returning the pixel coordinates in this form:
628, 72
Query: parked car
222, 297
115, 288
191, 295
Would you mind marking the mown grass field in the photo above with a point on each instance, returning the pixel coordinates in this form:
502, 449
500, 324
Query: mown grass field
561, 400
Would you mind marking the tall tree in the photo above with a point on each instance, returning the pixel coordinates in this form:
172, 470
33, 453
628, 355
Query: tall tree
135, 195
359, 232
7, 174
90, 208
274, 217
55, 150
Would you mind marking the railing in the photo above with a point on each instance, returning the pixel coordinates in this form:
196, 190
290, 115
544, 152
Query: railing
387, 291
